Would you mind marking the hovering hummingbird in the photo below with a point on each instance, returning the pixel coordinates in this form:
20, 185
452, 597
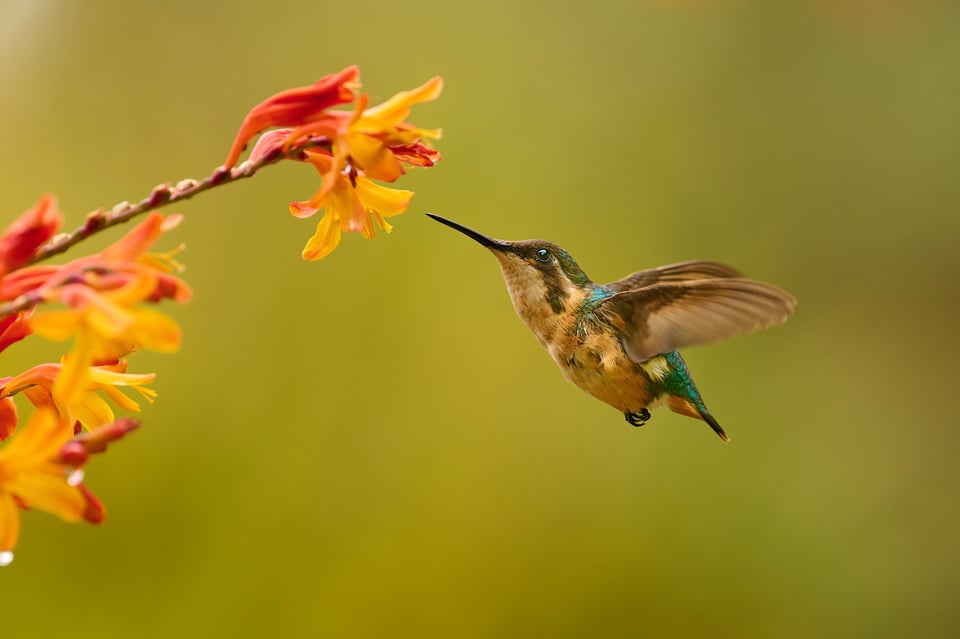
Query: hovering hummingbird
619, 341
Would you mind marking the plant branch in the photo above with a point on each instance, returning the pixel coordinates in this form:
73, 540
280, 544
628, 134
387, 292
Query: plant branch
165, 194
160, 196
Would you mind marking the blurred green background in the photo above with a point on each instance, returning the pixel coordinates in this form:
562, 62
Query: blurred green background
375, 446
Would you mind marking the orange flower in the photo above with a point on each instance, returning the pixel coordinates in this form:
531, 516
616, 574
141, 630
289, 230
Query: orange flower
372, 138
20, 242
114, 267
352, 203
104, 326
294, 107
34, 474
354, 148
103, 293
85, 406
381, 129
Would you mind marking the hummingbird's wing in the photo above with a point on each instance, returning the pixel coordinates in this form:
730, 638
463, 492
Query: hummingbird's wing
668, 316
681, 272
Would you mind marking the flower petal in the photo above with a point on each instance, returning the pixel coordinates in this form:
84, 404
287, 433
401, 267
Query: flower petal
9, 522
384, 200
396, 109
325, 240
8, 418
75, 371
416, 154
374, 158
21, 240
13, 328
156, 331
37, 442
91, 410
270, 142
294, 107
46, 488
137, 240
55, 325
26, 279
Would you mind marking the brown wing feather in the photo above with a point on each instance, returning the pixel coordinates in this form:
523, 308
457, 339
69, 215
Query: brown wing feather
680, 272
669, 316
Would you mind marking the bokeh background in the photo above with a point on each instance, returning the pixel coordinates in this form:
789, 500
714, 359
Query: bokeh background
374, 446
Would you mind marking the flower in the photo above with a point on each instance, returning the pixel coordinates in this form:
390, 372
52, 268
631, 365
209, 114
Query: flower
103, 294
370, 144
34, 474
352, 203
85, 406
373, 137
105, 327
294, 107
350, 149
21, 240
126, 259
368, 137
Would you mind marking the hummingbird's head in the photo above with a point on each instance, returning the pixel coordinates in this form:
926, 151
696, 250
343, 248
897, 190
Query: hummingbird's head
537, 273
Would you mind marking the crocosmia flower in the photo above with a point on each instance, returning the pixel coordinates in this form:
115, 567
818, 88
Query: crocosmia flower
85, 406
108, 298
350, 149
33, 475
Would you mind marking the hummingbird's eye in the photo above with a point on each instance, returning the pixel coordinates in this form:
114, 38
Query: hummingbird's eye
542, 255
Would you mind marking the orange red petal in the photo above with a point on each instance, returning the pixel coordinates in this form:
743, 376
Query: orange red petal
294, 107
13, 328
8, 417
21, 240
139, 239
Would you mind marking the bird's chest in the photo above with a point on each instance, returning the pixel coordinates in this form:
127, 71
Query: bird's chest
584, 346
596, 363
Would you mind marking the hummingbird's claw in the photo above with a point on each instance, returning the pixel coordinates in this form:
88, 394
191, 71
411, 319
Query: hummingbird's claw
638, 418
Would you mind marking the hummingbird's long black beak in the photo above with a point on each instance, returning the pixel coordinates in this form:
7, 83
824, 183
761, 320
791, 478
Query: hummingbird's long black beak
489, 242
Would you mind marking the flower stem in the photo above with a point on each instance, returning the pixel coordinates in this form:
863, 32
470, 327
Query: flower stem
161, 196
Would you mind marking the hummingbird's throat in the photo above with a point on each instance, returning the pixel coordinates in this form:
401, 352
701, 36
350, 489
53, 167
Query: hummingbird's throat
539, 297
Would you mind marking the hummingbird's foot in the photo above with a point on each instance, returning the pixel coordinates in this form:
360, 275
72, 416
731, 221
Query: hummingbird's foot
638, 418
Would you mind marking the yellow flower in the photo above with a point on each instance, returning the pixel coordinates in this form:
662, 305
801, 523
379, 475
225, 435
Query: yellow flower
375, 140
86, 406
373, 137
104, 295
351, 203
33, 475
105, 326
351, 149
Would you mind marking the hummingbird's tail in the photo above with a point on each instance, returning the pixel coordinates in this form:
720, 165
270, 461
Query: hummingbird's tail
710, 419
682, 395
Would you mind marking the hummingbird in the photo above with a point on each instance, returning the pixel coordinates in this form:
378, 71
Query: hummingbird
619, 341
